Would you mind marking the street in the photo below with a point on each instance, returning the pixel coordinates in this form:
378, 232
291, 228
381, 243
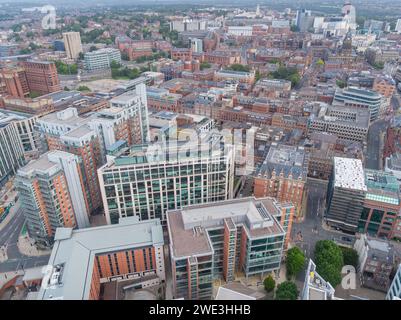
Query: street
8, 238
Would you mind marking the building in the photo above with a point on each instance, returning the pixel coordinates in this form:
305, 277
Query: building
360, 98
72, 44
398, 26
238, 291
282, 175
346, 123
84, 261
380, 215
376, 259
196, 45
101, 59
240, 76
15, 82
58, 45
52, 195
162, 99
9, 49
222, 241
304, 20
11, 152
42, 76
315, 287
24, 125
150, 180
188, 25
394, 293
346, 194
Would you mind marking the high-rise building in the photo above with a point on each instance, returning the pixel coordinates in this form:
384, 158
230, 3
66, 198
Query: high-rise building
304, 20
398, 26
42, 76
84, 263
196, 45
346, 194
394, 293
15, 82
146, 181
221, 241
11, 152
72, 44
51, 193
101, 59
24, 125
360, 98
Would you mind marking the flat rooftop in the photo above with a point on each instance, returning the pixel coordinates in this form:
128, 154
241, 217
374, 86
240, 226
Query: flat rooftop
349, 174
75, 251
188, 226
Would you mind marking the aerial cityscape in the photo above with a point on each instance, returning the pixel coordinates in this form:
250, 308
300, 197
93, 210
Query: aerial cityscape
229, 150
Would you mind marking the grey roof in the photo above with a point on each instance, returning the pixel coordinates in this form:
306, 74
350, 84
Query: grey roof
75, 251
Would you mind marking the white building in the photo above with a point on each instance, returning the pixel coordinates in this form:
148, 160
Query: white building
101, 59
398, 26
240, 30
394, 293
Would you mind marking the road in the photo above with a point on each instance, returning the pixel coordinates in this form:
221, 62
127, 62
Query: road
306, 233
374, 154
9, 237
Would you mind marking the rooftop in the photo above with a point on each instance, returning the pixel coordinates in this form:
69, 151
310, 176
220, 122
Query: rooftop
74, 252
349, 174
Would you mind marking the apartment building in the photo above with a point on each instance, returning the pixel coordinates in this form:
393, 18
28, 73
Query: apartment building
240, 76
146, 181
72, 44
83, 263
162, 99
346, 194
101, 59
41, 76
52, 196
282, 175
11, 152
223, 240
346, 123
24, 125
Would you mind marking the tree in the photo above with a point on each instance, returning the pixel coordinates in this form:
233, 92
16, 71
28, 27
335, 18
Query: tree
287, 291
269, 283
205, 65
329, 261
83, 88
350, 256
320, 62
295, 261
238, 67
341, 83
92, 48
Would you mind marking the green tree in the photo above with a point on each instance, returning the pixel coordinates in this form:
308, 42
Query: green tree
205, 65
287, 291
92, 48
320, 62
269, 283
329, 261
295, 261
238, 67
341, 83
350, 256
83, 88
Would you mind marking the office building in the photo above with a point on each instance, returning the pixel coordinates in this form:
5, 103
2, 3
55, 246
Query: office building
9, 49
394, 293
360, 98
11, 152
42, 76
188, 25
346, 194
349, 123
146, 181
101, 59
51, 193
83, 263
72, 44
380, 215
222, 241
304, 20
282, 175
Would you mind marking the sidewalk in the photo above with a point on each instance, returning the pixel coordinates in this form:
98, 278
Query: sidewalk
27, 247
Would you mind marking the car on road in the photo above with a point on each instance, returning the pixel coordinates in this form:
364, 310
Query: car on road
346, 239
